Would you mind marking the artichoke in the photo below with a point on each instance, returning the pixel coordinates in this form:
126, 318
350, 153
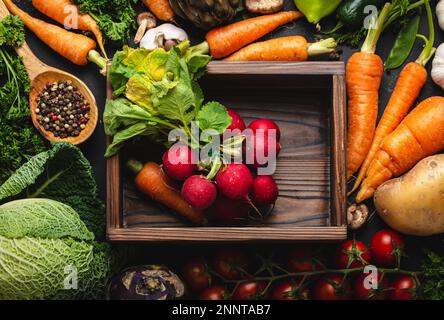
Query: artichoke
206, 14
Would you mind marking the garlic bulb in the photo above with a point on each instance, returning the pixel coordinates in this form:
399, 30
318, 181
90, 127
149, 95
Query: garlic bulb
438, 67
440, 14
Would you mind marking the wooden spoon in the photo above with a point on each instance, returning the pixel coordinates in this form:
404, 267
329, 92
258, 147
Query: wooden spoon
41, 74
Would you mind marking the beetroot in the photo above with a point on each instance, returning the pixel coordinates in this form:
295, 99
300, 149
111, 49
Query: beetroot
265, 125
235, 181
177, 162
236, 122
265, 190
227, 210
199, 192
259, 149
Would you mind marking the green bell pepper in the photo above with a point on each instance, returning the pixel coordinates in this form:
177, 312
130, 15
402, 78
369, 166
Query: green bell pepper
315, 10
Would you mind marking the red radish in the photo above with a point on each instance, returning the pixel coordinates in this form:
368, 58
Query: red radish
265, 125
229, 210
259, 148
236, 122
177, 162
265, 190
199, 192
235, 181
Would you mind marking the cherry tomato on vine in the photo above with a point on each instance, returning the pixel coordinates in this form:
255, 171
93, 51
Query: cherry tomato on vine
331, 287
301, 259
290, 290
229, 263
352, 254
386, 247
365, 290
403, 288
195, 274
250, 290
213, 293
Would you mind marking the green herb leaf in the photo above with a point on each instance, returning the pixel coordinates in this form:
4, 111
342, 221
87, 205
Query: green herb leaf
213, 116
433, 276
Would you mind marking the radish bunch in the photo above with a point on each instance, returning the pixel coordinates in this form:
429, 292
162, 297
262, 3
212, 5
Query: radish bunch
236, 190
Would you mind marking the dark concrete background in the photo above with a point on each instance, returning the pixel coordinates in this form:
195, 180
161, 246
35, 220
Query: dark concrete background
172, 254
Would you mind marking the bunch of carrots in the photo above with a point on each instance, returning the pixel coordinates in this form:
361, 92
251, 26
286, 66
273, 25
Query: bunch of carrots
398, 142
77, 48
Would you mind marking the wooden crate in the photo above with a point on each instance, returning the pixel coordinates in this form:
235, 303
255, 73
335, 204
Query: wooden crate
307, 100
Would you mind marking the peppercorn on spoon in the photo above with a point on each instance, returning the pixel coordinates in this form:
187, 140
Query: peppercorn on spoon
41, 75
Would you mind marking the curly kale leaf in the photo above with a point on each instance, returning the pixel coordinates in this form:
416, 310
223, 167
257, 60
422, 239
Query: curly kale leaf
116, 18
19, 141
12, 31
62, 174
433, 276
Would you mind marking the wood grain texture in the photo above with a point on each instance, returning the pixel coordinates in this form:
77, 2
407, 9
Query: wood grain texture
227, 234
308, 171
280, 68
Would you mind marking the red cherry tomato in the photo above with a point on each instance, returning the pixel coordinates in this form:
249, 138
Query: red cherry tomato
365, 292
213, 293
403, 288
352, 254
301, 259
331, 287
386, 246
195, 274
228, 263
290, 290
250, 290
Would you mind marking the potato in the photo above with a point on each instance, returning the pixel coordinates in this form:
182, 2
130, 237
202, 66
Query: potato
414, 203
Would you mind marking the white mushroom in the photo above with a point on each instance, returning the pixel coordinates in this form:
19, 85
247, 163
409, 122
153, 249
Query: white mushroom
356, 216
264, 6
146, 21
164, 36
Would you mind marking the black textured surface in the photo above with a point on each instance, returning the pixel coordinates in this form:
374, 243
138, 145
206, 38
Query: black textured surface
172, 253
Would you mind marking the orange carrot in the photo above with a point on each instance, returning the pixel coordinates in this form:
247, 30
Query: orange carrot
293, 48
408, 87
228, 39
363, 77
74, 47
57, 10
152, 181
161, 9
419, 135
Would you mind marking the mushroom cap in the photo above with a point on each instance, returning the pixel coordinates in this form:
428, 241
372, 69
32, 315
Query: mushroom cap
264, 6
152, 22
356, 216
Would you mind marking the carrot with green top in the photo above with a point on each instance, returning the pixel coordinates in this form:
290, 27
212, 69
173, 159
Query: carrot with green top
292, 48
363, 77
408, 87
225, 40
77, 48
62, 10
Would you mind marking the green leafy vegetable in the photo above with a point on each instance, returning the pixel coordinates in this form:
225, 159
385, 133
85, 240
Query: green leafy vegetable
157, 91
213, 116
116, 18
44, 244
62, 174
19, 141
433, 276
43, 218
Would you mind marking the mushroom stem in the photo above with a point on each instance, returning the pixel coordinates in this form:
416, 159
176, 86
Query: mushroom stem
141, 31
325, 46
